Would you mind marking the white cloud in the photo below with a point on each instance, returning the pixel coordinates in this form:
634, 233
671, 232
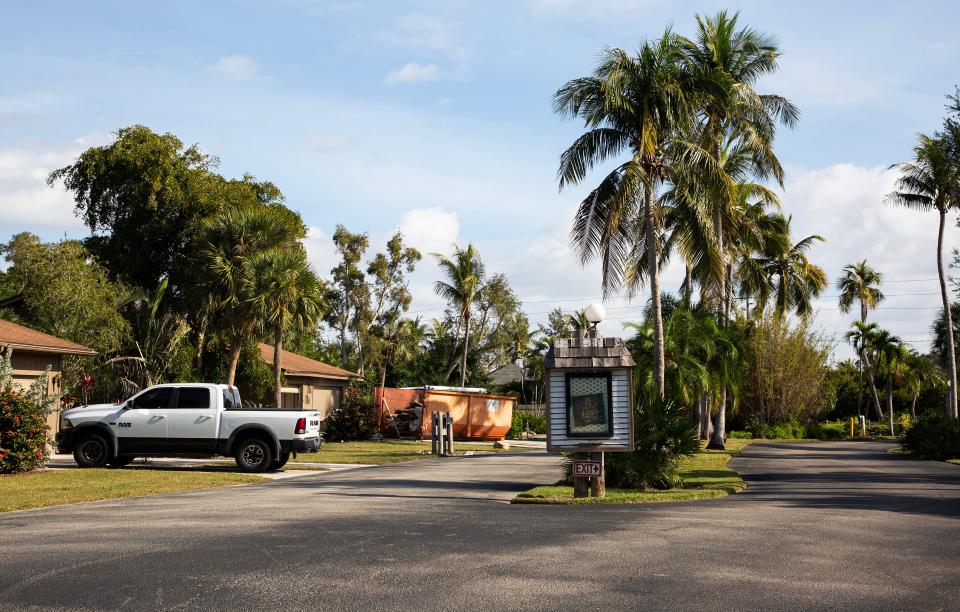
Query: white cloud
430, 35
430, 230
236, 67
844, 203
321, 253
412, 72
26, 202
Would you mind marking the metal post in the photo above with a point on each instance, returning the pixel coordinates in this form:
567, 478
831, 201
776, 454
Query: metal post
449, 435
434, 433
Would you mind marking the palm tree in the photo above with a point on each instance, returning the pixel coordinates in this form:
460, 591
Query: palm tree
890, 352
403, 338
859, 283
465, 275
932, 182
641, 104
232, 239
861, 338
785, 273
739, 126
287, 296
579, 320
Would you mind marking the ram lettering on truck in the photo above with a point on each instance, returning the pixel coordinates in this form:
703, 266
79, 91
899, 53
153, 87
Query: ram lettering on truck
187, 420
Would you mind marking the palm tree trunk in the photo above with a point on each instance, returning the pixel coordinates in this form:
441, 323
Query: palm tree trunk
277, 347
951, 355
201, 337
659, 368
705, 422
466, 346
890, 402
235, 349
688, 285
913, 405
873, 385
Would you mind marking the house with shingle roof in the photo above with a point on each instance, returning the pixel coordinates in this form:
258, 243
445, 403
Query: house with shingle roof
32, 353
308, 383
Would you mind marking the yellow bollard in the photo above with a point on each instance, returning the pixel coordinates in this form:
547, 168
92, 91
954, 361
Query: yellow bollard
852, 421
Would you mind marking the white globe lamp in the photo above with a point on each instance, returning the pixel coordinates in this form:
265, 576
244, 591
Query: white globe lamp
595, 313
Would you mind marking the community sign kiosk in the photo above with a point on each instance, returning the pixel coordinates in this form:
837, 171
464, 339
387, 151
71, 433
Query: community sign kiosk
589, 398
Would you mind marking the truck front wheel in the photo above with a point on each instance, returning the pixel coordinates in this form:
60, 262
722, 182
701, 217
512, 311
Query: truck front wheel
92, 452
254, 455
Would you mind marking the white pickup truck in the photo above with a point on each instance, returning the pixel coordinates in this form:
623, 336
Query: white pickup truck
187, 420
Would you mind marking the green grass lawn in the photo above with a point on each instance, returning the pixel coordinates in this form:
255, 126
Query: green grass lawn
705, 476
53, 487
385, 451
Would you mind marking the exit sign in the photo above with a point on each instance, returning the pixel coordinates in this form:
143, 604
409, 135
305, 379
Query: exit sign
587, 469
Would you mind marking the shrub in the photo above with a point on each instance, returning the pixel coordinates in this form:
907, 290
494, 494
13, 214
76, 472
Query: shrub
355, 418
838, 430
23, 431
522, 421
878, 429
740, 435
933, 436
663, 436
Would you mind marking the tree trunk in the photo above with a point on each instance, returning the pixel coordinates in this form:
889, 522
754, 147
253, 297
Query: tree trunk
719, 435
688, 286
201, 337
277, 347
913, 406
951, 355
235, 349
466, 347
890, 403
705, 423
873, 385
659, 368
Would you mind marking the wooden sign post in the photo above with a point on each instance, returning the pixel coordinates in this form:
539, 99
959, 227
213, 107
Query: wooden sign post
589, 400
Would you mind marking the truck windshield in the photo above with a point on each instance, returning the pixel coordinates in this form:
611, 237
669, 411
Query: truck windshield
231, 398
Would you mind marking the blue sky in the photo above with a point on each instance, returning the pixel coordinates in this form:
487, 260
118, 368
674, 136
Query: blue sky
435, 117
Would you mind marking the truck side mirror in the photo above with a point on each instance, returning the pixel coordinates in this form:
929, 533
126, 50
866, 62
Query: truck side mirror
128, 404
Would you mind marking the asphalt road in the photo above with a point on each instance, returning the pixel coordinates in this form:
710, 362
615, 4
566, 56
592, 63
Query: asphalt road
821, 526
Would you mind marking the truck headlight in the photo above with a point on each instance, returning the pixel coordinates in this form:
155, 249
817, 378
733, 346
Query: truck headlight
65, 423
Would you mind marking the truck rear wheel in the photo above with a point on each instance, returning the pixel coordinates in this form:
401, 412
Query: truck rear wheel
92, 452
280, 461
254, 455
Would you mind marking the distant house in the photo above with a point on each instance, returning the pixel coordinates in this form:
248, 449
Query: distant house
310, 384
32, 352
508, 374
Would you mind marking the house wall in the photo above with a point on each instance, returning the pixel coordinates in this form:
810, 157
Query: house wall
28, 366
322, 395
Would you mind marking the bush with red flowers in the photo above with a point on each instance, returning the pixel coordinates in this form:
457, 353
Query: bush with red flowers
23, 431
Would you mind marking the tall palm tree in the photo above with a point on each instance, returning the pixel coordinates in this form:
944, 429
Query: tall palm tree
932, 182
640, 104
287, 296
232, 239
785, 274
890, 352
859, 283
739, 126
465, 275
861, 338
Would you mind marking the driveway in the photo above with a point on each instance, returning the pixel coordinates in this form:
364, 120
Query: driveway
822, 525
